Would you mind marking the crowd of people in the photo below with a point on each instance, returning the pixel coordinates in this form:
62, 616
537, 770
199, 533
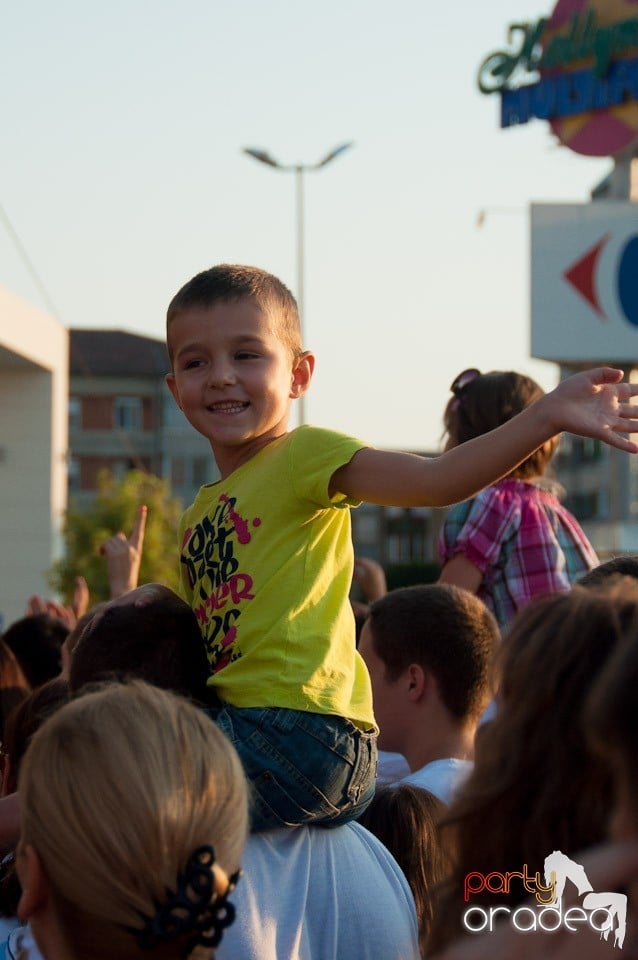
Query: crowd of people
259, 769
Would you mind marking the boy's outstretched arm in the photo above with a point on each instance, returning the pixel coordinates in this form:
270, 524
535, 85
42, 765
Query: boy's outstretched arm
592, 404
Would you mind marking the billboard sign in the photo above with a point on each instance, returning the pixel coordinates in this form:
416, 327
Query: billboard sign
577, 69
584, 282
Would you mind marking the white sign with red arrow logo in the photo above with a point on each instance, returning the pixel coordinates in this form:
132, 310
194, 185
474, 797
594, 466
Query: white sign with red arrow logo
584, 282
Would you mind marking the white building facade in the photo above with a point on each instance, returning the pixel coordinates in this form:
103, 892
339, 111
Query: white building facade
33, 450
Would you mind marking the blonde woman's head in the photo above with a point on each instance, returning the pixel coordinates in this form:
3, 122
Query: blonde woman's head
117, 792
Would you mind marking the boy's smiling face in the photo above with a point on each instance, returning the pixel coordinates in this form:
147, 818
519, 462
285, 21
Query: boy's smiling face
234, 378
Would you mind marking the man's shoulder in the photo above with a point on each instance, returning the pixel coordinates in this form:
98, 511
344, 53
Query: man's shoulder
441, 777
300, 878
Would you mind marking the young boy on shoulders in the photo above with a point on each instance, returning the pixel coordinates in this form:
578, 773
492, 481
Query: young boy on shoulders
266, 553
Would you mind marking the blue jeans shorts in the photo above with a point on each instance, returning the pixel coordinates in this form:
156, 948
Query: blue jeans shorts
302, 767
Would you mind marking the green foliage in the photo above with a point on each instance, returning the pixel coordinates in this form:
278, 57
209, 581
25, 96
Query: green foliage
115, 508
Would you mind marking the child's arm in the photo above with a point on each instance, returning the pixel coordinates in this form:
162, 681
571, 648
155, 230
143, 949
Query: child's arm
461, 572
593, 404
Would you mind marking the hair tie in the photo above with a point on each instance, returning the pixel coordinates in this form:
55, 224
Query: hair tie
191, 907
462, 381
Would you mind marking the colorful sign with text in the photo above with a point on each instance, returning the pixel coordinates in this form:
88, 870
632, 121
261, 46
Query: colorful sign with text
577, 69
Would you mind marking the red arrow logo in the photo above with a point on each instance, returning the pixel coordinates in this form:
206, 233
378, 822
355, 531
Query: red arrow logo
581, 275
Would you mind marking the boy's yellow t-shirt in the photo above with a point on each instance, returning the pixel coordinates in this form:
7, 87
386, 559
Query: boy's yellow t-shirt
266, 564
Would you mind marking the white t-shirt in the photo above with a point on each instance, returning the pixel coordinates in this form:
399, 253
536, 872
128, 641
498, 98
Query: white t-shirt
391, 767
316, 893
441, 777
20, 939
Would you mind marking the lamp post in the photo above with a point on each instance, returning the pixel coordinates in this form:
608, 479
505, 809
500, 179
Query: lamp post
298, 169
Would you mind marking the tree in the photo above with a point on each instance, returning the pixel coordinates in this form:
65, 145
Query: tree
115, 508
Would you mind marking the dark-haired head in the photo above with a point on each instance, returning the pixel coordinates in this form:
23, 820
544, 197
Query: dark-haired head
150, 634
605, 574
36, 642
610, 721
13, 685
480, 402
405, 818
446, 630
24, 721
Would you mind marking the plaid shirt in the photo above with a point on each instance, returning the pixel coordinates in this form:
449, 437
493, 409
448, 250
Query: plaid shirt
522, 540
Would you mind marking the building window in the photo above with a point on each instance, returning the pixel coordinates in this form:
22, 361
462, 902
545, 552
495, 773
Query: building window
172, 416
586, 450
586, 505
74, 475
202, 471
120, 468
575, 451
178, 472
405, 535
367, 526
127, 412
75, 413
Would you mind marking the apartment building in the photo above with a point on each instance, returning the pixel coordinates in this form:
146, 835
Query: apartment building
123, 417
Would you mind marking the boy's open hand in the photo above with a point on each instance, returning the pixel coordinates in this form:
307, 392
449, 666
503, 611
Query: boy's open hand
595, 403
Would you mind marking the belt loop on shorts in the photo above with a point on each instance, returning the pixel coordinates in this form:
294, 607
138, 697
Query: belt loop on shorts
283, 719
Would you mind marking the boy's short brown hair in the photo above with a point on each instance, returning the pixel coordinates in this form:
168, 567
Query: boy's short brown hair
228, 281
445, 630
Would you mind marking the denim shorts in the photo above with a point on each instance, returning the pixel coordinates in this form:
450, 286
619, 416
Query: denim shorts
302, 767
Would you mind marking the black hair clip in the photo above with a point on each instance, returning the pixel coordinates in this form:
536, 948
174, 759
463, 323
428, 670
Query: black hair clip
192, 906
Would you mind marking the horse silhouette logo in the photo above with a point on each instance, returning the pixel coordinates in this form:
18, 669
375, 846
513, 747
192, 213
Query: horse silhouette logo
559, 869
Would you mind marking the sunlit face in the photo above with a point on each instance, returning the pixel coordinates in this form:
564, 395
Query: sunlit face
387, 695
234, 378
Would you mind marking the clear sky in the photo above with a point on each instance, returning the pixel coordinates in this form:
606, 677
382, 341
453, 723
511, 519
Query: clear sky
123, 175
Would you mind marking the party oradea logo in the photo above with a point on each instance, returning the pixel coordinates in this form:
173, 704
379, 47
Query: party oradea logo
603, 912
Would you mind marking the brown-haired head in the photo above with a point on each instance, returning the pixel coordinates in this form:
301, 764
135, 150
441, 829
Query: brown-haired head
24, 721
228, 282
36, 643
444, 629
481, 402
150, 634
405, 818
535, 786
610, 713
13, 685
611, 572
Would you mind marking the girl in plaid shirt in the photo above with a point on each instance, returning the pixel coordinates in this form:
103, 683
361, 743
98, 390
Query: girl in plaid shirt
514, 540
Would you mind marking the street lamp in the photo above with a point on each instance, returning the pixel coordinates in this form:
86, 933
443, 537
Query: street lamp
299, 169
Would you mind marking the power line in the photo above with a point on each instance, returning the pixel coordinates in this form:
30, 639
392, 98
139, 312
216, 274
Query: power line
27, 262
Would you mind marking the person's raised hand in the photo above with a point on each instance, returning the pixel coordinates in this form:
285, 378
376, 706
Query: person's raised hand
124, 556
370, 577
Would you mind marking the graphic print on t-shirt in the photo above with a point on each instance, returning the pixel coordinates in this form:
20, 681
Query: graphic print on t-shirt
209, 554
